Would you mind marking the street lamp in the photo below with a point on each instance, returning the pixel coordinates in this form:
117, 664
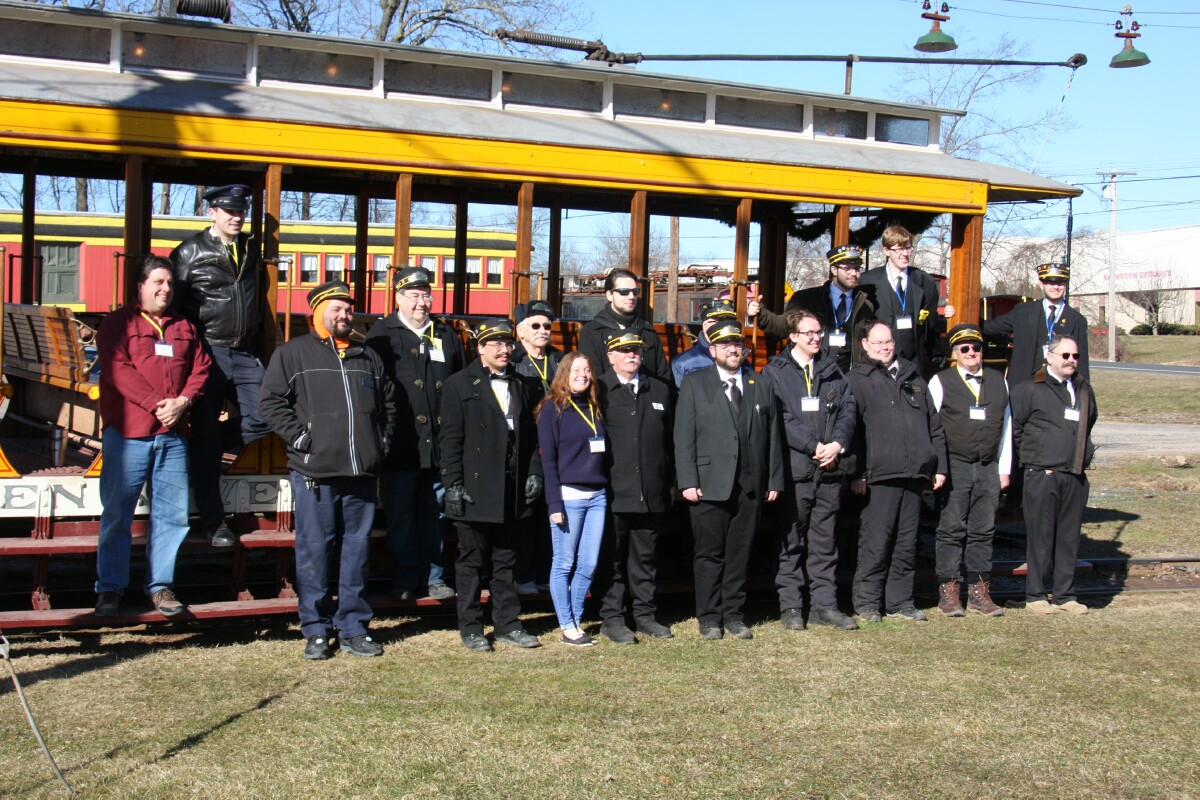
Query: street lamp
1129, 56
935, 41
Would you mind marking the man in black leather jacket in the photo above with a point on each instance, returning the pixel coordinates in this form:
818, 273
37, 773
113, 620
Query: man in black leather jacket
218, 286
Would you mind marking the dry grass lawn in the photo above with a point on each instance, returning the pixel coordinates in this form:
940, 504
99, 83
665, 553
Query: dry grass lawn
1099, 706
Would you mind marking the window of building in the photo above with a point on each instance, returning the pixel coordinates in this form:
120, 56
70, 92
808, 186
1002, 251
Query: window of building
448, 269
379, 265
495, 271
308, 267
473, 267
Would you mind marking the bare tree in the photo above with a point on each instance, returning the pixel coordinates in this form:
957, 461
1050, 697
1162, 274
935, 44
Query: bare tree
471, 24
1156, 294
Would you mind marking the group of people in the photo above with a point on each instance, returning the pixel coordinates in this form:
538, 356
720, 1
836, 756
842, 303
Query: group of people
559, 468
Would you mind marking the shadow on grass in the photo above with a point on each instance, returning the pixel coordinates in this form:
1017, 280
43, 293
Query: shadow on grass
198, 738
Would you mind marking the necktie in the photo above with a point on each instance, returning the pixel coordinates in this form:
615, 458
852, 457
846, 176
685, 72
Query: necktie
894, 371
971, 377
1050, 318
232, 250
735, 396
900, 290
840, 314
502, 376
632, 387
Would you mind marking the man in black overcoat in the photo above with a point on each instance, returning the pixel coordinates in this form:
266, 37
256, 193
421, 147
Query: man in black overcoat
639, 423
728, 462
492, 473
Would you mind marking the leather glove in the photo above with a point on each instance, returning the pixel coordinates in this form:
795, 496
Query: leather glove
456, 500
533, 487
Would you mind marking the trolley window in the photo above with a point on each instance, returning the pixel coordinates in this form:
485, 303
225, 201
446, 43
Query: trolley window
760, 114
437, 79
311, 66
840, 122
539, 90
184, 53
901, 130
641, 101
62, 42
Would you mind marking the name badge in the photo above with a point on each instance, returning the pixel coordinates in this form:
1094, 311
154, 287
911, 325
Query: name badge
1045, 350
837, 340
904, 323
596, 444
657, 406
978, 412
437, 354
164, 349
1071, 414
810, 404
511, 423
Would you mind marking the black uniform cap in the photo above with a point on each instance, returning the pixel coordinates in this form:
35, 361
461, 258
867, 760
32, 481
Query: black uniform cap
233, 197
411, 277
330, 290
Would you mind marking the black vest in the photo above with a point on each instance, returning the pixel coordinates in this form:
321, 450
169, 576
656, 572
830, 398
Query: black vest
977, 441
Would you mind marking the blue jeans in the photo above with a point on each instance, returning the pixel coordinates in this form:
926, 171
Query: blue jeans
576, 550
235, 374
333, 511
160, 463
412, 501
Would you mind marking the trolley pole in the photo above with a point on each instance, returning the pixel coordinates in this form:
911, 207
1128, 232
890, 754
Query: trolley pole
1110, 194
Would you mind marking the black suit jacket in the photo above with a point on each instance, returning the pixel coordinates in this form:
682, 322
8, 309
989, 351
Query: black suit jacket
474, 442
641, 470
920, 345
707, 435
1027, 325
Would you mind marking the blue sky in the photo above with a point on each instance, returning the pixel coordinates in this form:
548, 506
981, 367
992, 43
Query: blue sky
1143, 119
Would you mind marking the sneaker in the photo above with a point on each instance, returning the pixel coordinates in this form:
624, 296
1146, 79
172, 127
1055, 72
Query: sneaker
362, 645
440, 591
165, 603
582, 640
868, 614
477, 642
910, 613
1040, 607
979, 600
792, 619
617, 633
520, 637
108, 604
653, 629
527, 588
833, 618
949, 602
222, 536
1074, 608
738, 630
318, 648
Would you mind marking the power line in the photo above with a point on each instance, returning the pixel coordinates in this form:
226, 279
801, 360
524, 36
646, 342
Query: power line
1142, 180
1102, 10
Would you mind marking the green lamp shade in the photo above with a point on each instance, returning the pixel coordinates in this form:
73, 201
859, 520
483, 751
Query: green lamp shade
937, 42
1129, 57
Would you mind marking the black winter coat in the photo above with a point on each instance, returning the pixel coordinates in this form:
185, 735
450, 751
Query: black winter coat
639, 457
523, 364
334, 413
1043, 436
1027, 325
408, 361
593, 343
816, 299
920, 344
898, 424
834, 420
221, 300
474, 443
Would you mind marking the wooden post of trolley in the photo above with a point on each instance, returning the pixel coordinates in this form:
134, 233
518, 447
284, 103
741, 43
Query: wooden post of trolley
741, 260
400, 235
966, 256
639, 238
272, 206
520, 291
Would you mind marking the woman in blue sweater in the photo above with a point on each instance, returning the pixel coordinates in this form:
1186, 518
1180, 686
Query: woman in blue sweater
571, 437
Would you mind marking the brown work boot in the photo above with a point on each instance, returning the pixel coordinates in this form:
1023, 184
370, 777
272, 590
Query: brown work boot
948, 599
979, 600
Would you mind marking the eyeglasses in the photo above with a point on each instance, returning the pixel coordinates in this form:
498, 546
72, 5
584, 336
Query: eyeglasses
970, 348
884, 344
730, 347
1066, 356
817, 334
500, 344
539, 326
907, 249
417, 297
626, 292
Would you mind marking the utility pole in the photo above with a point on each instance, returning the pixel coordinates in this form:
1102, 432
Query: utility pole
1110, 194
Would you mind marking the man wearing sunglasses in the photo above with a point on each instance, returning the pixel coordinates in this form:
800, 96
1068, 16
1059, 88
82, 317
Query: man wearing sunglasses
972, 402
908, 302
840, 302
420, 352
1052, 419
620, 315
1033, 323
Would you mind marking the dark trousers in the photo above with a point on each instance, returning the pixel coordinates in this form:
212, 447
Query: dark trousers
630, 546
887, 545
329, 513
235, 375
969, 515
723, 534
478, 544
534, 550
1054, 504
412, 500
808, 548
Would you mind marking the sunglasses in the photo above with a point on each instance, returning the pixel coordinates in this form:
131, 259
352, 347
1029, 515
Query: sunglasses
626, 292
539, 326
970, 348
1067, 356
